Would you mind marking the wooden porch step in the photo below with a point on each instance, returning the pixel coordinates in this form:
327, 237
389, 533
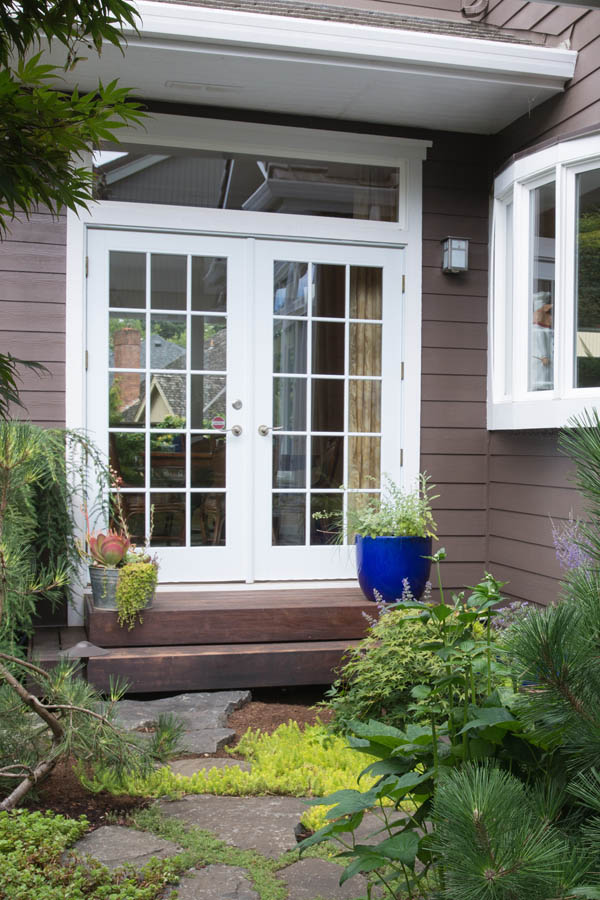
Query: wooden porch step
219, 666
242, 616
47, 643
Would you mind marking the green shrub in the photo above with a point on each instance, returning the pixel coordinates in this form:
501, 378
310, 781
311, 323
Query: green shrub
379, 673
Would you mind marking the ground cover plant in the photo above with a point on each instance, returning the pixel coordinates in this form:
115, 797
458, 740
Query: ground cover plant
297, 762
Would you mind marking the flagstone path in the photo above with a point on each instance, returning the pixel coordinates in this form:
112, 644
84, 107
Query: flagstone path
261, 826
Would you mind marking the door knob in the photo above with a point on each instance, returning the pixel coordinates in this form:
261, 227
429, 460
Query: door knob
236, 430
265, 429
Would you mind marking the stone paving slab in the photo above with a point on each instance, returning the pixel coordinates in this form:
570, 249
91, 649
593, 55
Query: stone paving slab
217, 883
204, 763
115, 845
204, 716
311, 878
265, 824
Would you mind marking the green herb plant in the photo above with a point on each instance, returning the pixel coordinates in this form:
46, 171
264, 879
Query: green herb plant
135, 588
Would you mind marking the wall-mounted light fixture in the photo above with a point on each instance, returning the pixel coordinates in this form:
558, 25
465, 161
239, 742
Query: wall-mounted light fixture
455, 256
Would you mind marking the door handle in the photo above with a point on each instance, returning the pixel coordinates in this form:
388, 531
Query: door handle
265, 429
236, 430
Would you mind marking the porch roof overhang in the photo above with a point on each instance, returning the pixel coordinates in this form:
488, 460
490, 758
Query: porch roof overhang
193, 54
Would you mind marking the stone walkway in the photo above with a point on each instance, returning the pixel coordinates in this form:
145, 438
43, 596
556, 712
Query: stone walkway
263, 827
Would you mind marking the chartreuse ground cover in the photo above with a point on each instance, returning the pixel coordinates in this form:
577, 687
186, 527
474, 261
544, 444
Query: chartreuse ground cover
297, 762
33, 866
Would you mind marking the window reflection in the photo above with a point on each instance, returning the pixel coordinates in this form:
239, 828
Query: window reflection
542, 280
587, 312
306, 188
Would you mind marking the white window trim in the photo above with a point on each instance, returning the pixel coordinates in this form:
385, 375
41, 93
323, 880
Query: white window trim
523, 409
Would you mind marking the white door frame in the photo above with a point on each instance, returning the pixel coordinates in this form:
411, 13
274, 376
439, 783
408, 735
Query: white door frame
185, 220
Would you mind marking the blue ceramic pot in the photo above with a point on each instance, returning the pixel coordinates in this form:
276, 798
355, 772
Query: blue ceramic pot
384, 562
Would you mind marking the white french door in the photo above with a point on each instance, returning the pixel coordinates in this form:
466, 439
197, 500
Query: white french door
238, 386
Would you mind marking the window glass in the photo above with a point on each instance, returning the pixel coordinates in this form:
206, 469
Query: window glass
541, 287
508, 300
587, 310
299, 187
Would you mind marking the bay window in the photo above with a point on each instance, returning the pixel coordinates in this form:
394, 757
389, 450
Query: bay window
545, 313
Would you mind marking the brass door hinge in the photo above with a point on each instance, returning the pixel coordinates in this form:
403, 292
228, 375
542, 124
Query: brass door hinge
404, 284
87, 360
401, 457
401, 371
87, 266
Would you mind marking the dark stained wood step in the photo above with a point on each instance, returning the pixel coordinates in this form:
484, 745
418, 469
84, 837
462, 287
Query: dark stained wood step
46, 644
243, 617
219, 666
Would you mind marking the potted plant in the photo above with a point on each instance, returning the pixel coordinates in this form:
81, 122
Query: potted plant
393, 533
122, 576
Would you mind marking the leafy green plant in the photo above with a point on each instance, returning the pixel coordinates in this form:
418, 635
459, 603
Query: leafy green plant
378, 674
136, 586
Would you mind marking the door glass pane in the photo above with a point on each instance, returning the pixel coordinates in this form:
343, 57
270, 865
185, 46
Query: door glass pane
327, 462
328, 348
167, 401
208, 460
127, 454
329, 291
127, 280
541, 291
289, 519
207, 520
168, 342
365, 292
365, 349
587, 372
289, 346
325, 530
167, 460
289, 403
290, 288
133, 511
209, 401
168, 281
127, 345
327, 404
127, 399
209, 343
364, 468
365, 405
289, 461
168, 519
209, 284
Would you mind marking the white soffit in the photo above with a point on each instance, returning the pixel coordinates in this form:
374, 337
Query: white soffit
217, 57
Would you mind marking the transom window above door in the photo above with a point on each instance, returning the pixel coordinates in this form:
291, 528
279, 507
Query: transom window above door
250, 183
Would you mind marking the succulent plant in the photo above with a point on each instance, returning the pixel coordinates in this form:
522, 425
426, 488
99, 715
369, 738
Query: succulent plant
108, 550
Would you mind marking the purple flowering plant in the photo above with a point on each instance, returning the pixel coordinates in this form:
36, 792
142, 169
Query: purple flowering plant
569, 543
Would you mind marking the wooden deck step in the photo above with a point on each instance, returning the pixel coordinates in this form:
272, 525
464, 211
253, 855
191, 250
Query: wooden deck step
47, 643
243, 617
219, 666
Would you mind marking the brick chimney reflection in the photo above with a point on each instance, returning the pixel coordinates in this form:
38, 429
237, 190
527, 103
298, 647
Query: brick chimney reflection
127, 348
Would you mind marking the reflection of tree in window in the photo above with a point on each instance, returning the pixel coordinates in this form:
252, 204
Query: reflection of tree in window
588, 279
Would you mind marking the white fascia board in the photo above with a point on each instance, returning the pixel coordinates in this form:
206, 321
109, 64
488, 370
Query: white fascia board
270, 34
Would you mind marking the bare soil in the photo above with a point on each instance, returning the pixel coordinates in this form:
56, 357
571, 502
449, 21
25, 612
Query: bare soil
63, 793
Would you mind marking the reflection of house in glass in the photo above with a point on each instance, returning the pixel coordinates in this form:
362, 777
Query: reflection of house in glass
332, 189
167, 391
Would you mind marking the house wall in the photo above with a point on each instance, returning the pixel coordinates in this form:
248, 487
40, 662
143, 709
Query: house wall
32, 311
529, 480
578, 108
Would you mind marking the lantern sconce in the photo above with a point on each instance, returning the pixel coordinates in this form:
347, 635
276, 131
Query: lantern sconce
455, 256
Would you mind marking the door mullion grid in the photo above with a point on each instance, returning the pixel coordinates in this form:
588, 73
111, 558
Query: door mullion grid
308, 438
188, 402
148, 397
346, 404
